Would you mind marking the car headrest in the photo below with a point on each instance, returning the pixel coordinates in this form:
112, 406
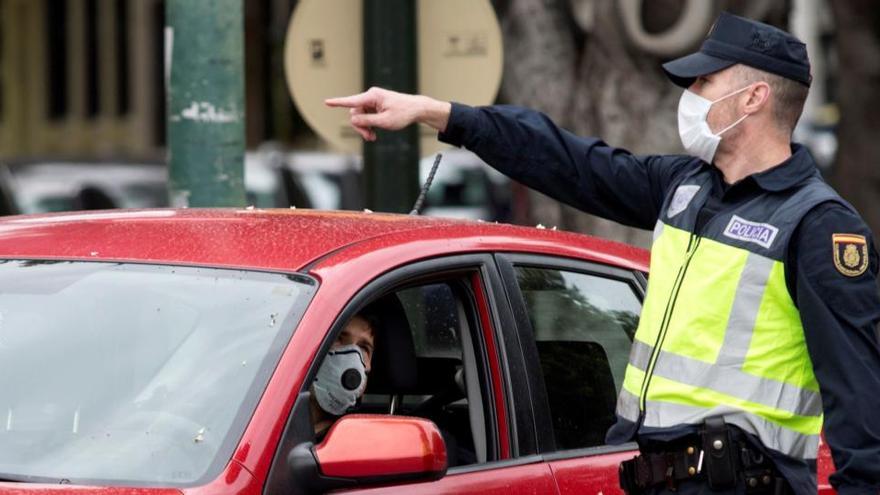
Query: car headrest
394, 366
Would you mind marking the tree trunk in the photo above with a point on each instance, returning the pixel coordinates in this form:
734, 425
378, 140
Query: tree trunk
540, 60
856, 172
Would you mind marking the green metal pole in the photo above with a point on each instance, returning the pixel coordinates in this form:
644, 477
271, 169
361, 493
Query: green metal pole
205, 77
391, 163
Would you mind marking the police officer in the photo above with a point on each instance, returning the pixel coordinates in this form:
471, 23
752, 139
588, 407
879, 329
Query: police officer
762, 308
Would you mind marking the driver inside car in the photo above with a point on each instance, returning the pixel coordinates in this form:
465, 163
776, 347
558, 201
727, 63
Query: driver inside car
342, 380
342, 377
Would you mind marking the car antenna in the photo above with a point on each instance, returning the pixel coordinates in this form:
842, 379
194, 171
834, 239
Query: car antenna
424, 191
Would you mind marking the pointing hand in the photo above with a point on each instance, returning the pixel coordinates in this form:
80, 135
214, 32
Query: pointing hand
384, 109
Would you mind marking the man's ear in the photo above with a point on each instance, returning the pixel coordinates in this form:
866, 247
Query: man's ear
758, 97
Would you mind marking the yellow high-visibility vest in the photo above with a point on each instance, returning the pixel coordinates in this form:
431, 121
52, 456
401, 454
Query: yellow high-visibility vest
719, 332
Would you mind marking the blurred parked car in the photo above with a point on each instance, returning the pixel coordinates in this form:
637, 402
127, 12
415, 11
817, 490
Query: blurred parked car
465, 187
319, 180
50, 185
307, 180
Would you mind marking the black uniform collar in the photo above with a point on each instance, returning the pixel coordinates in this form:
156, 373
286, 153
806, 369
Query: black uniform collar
797, 168
791, 172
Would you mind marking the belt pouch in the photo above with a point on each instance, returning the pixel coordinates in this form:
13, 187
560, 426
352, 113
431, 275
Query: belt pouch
719, 464
629, 477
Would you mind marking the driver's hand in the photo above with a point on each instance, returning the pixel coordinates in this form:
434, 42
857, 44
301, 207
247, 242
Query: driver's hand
390, 110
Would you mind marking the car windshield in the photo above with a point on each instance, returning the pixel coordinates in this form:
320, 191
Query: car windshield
115, 373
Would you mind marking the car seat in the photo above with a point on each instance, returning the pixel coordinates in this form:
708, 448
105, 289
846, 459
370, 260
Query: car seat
580, 390
394, 367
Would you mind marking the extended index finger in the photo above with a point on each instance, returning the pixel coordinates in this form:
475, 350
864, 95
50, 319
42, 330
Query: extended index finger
353, 101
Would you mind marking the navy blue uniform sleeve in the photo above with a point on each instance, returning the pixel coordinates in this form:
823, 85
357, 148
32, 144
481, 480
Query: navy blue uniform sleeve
585, 173
840, 310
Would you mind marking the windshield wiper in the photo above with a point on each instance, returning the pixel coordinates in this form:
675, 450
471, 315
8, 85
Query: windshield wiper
14, 478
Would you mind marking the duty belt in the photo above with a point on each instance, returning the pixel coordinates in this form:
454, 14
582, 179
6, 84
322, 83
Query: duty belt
712, 456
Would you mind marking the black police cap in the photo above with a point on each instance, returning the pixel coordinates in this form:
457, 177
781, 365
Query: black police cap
737, 40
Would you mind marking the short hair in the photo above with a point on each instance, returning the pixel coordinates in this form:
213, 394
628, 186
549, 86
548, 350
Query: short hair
372, 320
789, 95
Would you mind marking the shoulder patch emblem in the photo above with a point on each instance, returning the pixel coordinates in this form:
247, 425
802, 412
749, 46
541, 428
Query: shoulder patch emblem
681, 199
850, 254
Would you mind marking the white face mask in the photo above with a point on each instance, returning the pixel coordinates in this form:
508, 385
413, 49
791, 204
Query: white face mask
341, 379
696, 136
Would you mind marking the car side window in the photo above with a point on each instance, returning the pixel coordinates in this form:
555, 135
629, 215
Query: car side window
434, 320
583, 327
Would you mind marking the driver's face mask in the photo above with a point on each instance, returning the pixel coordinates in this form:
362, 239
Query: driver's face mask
341, 379
696, 136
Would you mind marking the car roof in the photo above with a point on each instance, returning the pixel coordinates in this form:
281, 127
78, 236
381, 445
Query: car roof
266, 239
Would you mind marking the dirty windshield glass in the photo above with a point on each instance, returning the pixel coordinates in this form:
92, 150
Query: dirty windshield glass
121, 373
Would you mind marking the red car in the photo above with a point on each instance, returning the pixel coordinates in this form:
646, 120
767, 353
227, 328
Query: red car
172, 351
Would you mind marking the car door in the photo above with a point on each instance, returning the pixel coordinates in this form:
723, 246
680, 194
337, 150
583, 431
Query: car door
576, 321
452, 309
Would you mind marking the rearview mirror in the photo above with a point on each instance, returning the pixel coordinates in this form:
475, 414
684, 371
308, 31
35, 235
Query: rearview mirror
365, 449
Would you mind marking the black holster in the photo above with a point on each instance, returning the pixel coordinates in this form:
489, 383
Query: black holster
719, 462
723, 459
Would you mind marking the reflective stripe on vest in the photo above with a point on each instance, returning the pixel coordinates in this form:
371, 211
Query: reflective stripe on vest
731, 381
721, 335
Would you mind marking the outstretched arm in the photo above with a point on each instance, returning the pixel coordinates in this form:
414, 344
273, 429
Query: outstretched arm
528, 147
